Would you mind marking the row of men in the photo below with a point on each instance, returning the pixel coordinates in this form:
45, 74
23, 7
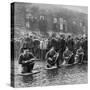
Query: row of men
58, 51
59, 43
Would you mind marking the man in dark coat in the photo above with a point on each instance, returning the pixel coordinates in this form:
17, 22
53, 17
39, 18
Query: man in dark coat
36, 48
26, 62
60, 49
70, 43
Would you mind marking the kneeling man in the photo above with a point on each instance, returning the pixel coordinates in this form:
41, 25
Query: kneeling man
51, 57
67, 56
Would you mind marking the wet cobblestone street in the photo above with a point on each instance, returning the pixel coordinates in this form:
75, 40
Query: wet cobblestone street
76, 74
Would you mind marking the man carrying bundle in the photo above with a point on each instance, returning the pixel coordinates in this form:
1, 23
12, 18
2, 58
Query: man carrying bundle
51, 57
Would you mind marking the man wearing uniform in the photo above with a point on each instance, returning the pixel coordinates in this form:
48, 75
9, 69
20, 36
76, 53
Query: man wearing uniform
26, 60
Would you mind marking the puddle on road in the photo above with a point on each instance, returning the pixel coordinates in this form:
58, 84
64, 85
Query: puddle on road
76, 74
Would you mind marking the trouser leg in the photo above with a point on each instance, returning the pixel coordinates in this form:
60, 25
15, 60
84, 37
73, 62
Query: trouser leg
57, 62
24, 69
27, 68
80, 58
30, 67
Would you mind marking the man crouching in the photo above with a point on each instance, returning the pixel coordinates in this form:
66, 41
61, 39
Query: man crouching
67, 55
26, 59
79, 56
51, 57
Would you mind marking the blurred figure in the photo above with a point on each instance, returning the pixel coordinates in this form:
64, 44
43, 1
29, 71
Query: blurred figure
42, 24
55, 24
61, 24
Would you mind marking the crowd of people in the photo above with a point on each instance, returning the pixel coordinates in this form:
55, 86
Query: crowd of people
54, 50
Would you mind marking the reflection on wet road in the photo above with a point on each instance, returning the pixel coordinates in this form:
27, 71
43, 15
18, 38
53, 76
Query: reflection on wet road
76, 74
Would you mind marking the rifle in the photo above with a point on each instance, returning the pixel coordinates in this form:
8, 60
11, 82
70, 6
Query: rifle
31, 60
